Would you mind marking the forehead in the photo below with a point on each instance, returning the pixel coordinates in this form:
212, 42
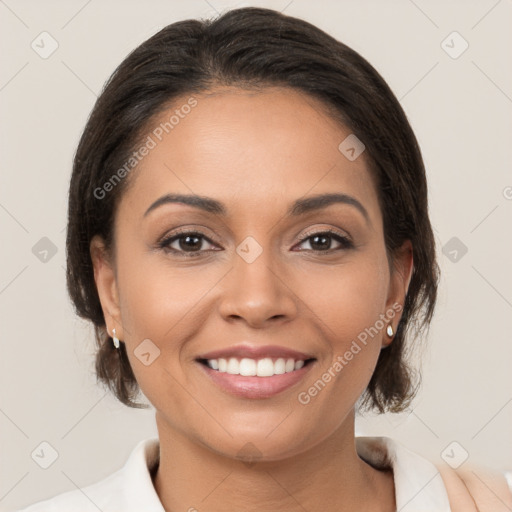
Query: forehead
248, 149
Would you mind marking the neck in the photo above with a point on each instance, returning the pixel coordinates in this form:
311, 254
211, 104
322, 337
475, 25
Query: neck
191, 476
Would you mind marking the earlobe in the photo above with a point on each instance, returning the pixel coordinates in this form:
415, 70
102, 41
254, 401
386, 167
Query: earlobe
106, 284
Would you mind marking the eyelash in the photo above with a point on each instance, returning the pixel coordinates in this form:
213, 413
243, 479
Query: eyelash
345, 242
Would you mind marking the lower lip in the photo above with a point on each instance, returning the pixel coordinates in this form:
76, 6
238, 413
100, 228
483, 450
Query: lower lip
256, 387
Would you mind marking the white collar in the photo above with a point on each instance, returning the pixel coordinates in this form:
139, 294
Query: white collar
418, 483
138, 490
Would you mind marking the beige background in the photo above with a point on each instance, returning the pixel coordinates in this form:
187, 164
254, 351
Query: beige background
461, 112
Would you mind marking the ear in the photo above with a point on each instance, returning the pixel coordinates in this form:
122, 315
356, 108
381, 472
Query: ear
106, 283
401, 273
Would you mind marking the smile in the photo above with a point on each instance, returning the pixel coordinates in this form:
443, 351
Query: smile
255, 379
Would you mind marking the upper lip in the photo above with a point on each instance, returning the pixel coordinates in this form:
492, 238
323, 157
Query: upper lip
256, 352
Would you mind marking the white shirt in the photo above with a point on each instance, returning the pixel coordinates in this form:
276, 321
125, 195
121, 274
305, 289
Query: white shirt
418, 484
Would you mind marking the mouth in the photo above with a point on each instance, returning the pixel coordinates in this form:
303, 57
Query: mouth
255, 373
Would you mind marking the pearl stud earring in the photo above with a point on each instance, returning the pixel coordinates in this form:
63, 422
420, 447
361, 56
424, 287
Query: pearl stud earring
115, 339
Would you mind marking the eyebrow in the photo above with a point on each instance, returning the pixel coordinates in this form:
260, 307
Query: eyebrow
299, 207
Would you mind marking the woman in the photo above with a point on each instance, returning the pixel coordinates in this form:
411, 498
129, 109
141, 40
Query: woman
249, 234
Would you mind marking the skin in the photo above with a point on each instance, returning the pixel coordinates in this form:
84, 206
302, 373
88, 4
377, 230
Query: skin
256, 152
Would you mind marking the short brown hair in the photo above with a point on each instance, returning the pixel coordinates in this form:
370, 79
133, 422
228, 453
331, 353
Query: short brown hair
254, 47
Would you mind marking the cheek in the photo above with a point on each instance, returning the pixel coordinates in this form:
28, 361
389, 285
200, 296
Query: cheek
161, 302
347, 298
157, 295
349, 301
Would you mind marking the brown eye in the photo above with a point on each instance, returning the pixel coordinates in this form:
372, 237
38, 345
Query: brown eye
186, 243
323, 240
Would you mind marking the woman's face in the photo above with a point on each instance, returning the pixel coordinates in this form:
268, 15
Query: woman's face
260, 273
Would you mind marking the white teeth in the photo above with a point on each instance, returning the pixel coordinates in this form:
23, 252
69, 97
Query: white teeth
233, 367
247, 367
279, 366
265, 367
289, 366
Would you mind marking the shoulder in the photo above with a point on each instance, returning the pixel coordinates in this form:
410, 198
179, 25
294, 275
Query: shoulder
421, 484
477, 488
102, 495
128, 489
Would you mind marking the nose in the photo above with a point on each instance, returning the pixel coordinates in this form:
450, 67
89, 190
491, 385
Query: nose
257, 293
